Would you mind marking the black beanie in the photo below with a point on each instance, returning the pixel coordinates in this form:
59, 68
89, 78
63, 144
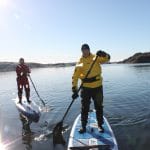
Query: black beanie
85, 46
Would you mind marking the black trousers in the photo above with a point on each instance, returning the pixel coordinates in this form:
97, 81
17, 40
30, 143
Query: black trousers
97, 95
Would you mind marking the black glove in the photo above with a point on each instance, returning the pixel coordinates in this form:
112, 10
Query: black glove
75, 93
101, 53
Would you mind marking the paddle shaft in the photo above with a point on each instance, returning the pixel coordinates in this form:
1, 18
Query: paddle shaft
79, 89
36, 90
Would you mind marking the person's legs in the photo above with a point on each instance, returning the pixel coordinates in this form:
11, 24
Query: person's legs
27, 91
85, 101
97, 96
20, 89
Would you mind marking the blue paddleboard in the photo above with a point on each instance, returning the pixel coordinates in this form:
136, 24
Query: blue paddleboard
30, 111
92, 139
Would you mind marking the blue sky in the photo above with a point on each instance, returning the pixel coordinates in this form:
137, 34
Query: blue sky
54, 30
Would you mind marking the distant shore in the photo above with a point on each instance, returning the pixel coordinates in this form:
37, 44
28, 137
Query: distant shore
136, 58
11, 66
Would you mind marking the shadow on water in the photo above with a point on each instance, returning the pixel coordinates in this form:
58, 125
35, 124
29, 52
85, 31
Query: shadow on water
140, 65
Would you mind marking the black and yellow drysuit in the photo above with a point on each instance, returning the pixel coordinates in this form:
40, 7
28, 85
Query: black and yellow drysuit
92, 85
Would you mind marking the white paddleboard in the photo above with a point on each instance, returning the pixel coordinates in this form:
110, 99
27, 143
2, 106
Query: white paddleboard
92, 139
30, 111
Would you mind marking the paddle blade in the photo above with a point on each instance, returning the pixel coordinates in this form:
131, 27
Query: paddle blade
57, 134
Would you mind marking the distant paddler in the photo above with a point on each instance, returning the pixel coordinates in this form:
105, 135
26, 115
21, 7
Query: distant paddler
23, 71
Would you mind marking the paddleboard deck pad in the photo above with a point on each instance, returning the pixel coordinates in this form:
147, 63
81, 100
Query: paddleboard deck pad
92, 139
30, 111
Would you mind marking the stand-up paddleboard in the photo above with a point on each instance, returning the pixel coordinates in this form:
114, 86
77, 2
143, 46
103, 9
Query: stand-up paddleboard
30, 111
92, 139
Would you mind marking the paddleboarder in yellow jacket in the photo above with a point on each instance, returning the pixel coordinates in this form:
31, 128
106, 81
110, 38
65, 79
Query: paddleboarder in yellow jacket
92, 85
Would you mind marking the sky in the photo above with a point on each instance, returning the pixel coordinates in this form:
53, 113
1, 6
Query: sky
50, 31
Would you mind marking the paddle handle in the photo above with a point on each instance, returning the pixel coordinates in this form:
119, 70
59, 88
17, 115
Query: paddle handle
79, 89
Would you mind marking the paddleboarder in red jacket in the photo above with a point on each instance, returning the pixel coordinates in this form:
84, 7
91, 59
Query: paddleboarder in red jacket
23, 72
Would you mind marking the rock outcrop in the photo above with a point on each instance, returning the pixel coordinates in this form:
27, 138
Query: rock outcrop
138, 58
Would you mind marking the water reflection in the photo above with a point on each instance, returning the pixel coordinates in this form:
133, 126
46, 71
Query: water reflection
126, 105
26, 132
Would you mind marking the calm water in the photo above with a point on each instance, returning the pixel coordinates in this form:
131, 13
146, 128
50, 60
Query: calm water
126, 105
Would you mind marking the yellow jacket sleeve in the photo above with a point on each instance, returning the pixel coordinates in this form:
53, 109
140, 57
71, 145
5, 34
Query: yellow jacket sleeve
76, 75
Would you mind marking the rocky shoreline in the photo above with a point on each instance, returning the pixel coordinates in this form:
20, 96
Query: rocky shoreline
138, 58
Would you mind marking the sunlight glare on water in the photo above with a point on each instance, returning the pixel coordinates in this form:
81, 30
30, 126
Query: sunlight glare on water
2, 147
